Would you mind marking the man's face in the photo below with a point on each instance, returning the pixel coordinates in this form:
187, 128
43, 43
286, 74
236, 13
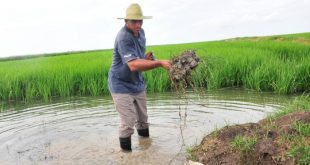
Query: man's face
134, 25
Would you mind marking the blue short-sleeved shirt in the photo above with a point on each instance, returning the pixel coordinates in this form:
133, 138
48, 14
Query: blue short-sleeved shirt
127, 47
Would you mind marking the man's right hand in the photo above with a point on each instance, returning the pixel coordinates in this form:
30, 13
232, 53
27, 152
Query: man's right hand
165, 64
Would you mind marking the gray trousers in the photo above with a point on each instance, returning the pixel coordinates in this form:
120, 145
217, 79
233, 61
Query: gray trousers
132, 112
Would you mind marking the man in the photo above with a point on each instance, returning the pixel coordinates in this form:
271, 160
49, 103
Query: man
126, 82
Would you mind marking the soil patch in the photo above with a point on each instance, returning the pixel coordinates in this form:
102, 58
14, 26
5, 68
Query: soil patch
272, 140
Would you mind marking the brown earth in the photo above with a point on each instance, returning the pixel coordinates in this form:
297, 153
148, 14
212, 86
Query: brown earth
299, 40
303, 41
270, 147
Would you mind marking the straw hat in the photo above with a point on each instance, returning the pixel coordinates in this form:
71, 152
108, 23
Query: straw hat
134, 12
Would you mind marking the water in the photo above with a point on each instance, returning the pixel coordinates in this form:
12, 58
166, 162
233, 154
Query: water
85, 130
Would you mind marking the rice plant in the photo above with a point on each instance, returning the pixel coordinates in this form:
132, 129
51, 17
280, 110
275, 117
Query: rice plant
274, 63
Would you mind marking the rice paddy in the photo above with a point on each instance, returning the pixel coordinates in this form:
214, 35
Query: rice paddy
274, 63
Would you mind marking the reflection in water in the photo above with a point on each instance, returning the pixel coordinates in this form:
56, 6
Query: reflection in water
85, 130
145, 143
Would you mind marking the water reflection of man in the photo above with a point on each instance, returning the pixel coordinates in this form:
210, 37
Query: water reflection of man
126, 82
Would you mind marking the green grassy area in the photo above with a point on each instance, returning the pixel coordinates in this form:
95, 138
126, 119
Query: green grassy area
276, 63
244, 144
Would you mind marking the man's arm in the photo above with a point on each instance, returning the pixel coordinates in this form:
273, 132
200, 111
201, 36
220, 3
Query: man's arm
144, 65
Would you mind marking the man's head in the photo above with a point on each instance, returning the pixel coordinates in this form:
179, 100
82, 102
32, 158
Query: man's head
134, 25
134, 17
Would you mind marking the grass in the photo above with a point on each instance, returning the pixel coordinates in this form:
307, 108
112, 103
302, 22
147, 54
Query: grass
191, 154
299, 142
59, 76
300, 148
299, 104
301, 153
302, 128
274, 63
244, 144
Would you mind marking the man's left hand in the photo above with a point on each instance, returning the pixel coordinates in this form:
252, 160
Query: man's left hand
149, 56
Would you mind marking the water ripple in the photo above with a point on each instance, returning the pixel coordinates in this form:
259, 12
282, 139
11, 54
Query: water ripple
86, 128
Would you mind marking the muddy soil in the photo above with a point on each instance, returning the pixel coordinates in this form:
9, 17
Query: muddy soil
270, 148
182, 67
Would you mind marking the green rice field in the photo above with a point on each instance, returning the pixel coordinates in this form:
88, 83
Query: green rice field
272, 63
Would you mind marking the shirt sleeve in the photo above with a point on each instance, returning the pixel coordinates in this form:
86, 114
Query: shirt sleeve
127, 50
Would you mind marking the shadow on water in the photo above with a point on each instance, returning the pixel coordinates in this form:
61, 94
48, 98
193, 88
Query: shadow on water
85, 130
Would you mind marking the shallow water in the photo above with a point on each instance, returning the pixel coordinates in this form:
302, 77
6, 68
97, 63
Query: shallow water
84, 130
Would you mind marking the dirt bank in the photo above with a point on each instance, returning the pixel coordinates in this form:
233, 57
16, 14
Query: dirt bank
284, 140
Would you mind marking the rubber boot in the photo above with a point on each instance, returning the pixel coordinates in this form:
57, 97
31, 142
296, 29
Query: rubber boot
125, 143
143, 132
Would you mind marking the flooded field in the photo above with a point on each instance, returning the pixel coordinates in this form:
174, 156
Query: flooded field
84, 130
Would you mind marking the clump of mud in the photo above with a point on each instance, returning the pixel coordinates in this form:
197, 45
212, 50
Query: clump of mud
182, 67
